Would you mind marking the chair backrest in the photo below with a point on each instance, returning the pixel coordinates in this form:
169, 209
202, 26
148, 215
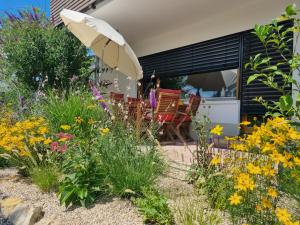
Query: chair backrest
193, 106
132, 104
168, 101
116, 97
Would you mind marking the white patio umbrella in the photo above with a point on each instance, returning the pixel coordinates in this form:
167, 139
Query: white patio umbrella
105, 41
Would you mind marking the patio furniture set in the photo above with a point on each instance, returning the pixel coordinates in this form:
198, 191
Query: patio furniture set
170, 113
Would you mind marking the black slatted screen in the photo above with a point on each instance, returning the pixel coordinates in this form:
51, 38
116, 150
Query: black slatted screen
228, 52
213, 55
251, 47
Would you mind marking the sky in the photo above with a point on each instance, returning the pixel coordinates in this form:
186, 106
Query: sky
14, 5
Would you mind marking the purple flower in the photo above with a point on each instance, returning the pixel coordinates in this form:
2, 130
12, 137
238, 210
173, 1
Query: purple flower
152, 99
99, 98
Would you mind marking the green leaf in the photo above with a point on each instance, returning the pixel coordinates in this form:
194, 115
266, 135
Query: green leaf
253, 77
271, 68
291, 10
65, 195
285, 102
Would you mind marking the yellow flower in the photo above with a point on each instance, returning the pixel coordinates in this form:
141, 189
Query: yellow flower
91, 121
254, 118
239, 147
65, 127
47, 141
268, 147
272, 192
78, 119
245, 123
235, 199
217, 130
283, 215
63, 139
43, 130
244, 182
104, 130
277, 157
215, 161
253, 169
266, 203
268, 170
297, 161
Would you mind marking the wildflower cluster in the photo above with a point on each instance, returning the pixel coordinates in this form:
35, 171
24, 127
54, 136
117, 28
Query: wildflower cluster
21, 137
271, 149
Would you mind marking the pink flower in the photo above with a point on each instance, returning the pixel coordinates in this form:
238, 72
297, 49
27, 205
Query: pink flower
54, 146
63, 148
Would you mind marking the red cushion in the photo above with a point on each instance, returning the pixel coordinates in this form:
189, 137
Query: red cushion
164, 117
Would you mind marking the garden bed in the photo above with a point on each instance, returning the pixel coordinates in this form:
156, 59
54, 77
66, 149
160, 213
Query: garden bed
105, 211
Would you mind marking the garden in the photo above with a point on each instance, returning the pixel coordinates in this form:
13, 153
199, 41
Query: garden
65, 147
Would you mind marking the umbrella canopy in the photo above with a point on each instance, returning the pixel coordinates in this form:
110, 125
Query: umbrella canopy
105, 41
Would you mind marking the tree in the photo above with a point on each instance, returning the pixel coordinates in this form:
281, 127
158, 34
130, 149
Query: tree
34, 50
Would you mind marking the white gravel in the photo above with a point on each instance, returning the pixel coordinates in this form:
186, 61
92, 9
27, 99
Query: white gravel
111, 212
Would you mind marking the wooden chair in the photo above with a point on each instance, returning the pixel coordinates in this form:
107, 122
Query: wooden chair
185, 118
166, 110
116, 97
132, 104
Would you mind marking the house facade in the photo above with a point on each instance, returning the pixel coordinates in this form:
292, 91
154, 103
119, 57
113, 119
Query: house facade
200, 46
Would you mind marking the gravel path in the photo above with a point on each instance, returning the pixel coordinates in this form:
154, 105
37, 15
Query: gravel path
110, 212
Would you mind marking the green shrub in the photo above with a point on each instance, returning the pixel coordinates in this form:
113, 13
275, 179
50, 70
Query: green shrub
128, 164
41, 51
62, 110
218, 189
46, 178
154, 207
83, 177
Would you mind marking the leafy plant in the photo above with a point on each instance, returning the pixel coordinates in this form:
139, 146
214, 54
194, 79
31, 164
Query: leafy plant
154, 207
63, 109
128, 163
83, 177
275, 36
25, 143
218, 189
35, 50
45, 177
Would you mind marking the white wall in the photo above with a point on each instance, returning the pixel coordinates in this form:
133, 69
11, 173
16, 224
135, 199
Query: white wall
238, 19
296, 73
121, 83
223, 112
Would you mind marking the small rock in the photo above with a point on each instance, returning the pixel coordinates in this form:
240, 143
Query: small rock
8, 204
52, 220
24, 214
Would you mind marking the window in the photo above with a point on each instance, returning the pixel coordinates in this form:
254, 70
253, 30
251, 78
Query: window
208, 85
